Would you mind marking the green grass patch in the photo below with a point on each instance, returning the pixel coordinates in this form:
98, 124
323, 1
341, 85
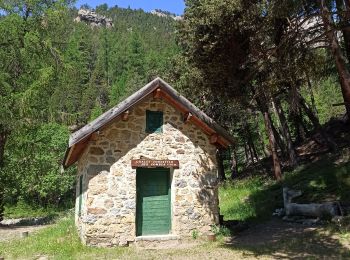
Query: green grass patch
252, 199
60, 241
255, 198
236, 198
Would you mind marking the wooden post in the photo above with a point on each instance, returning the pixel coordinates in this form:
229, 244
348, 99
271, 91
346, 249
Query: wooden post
157, 93
187, 117
214, 138
125, 115
94, 136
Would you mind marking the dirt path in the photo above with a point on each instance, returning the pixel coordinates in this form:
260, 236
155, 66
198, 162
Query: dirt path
279, 239
10, 229
270, 232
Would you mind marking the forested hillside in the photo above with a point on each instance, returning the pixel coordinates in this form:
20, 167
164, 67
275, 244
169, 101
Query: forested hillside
272, 73
56, 75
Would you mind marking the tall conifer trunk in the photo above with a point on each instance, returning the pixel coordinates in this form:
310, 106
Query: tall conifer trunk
247, 161
272, 142
264, 109
343, 72
316, 123
220, 162
313, 103
285, 131
278, 139
234, 165
252, 148
343, 7
3, 138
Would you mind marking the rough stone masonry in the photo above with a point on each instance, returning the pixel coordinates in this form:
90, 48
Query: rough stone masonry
108, 211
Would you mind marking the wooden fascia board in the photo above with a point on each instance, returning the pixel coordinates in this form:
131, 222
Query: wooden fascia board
134, 99
67, 156
198, 122
113, 113
172, 101
80, 146
159, 88
75, 152
195, 111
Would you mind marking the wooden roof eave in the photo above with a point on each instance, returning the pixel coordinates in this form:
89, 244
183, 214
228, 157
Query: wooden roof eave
112, 113
78, 140
189, 107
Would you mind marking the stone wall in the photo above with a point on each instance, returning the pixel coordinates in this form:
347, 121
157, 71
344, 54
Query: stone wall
109, 190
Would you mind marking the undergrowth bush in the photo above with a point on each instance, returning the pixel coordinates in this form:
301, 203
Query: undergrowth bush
24, 210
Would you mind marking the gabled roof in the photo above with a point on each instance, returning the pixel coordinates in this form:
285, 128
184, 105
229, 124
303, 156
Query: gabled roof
159, 89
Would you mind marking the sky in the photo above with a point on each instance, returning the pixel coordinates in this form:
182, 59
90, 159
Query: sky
173, 6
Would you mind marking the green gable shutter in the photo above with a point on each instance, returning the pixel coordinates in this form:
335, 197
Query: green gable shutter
154, 121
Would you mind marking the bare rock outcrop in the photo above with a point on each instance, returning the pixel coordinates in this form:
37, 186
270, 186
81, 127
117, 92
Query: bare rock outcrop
92, 18
161, 13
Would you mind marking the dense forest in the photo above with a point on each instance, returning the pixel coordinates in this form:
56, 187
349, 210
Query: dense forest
56, 75
273, 73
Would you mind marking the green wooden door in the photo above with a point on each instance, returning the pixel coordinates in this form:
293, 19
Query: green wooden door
153, 201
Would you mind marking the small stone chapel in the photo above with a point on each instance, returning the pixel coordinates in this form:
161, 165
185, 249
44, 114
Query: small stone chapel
147, 168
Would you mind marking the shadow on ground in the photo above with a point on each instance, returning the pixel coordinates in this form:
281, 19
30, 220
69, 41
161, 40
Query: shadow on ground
283, 240
325, 179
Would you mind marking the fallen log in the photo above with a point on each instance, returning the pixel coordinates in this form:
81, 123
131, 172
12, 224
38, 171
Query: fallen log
320, 210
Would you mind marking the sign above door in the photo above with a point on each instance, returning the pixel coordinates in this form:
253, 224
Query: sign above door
141, 163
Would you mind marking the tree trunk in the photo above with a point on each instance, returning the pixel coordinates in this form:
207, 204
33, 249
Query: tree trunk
255, 153
313, 104
342, 9
251, 145
278, 138
272, 141
297, 119
314, 120
265, 151
286, 133
250, 152
3, 138
234, 165
343, 72
264, 109
247, 162
221, 169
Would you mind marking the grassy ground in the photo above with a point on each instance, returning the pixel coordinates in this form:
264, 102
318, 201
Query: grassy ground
252, 200
61, 242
